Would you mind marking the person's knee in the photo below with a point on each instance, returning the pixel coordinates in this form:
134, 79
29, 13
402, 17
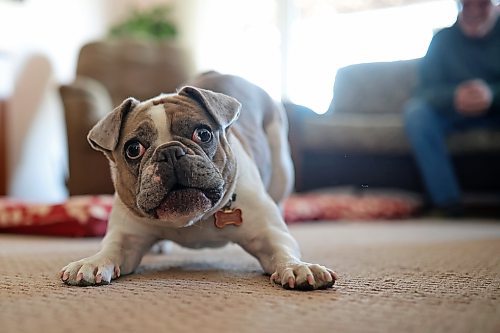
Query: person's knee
417, 116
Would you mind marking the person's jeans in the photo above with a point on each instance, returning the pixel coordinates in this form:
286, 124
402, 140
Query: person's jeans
427, 130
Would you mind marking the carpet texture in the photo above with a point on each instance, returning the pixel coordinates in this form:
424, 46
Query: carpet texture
418, 276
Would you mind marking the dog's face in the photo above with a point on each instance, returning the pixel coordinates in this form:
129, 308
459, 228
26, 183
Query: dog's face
170, 157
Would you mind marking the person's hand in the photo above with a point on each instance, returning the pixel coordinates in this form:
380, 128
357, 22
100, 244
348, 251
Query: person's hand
473, 98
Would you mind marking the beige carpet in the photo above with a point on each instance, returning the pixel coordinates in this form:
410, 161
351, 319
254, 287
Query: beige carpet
418, 276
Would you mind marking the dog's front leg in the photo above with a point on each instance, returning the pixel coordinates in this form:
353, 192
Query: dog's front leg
121, 253
279, 256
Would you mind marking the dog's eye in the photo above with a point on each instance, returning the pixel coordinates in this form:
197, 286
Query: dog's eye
134, 150
202, 135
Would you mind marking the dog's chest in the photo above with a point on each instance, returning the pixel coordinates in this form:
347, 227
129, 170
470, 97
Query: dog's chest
200, 235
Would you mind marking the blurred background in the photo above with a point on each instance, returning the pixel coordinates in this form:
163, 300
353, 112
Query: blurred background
59, 57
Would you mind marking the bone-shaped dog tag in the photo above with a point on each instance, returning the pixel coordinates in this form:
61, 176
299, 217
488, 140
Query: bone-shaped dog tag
228, 216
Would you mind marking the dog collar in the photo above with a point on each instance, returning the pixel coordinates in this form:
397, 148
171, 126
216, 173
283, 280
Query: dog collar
228, 215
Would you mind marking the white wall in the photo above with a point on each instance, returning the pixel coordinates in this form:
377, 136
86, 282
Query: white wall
55, 28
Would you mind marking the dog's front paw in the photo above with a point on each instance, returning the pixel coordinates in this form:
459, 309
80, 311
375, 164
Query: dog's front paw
304, 276
90, 271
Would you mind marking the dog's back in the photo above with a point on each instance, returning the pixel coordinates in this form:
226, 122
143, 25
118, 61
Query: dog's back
262, 129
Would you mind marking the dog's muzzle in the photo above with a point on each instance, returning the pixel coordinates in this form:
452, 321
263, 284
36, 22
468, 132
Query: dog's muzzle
178, 182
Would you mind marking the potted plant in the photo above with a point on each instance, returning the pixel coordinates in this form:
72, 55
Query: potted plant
150, 24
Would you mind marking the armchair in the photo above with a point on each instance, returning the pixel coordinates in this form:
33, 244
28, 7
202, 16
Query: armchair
107, 73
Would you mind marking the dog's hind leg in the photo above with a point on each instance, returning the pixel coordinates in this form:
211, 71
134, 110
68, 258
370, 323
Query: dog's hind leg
282, 177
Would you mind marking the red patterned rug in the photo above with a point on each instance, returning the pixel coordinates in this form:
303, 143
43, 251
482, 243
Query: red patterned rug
342, 206
79, 216
84, 216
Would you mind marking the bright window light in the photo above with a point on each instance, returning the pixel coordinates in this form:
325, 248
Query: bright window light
321, 41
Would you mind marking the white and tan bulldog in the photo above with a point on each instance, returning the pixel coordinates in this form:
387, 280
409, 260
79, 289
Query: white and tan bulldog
191, 168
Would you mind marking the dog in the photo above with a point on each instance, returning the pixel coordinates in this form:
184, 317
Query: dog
207, 165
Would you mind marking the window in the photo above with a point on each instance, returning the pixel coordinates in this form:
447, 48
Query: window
322, 38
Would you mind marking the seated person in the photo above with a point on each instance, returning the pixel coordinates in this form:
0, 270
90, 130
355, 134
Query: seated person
459, 89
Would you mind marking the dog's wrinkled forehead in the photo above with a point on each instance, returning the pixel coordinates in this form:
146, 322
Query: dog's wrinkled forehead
161, 118
149, 118
189, 104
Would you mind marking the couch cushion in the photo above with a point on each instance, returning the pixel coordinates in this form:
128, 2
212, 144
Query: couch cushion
379, 87
354, 132
475, 141
383, 133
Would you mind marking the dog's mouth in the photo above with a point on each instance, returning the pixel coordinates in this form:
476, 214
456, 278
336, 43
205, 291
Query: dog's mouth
183, 200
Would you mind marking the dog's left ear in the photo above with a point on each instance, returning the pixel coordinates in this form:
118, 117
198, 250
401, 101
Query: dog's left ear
223, 108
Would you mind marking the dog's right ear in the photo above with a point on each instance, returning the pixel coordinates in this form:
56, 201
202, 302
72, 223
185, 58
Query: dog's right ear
105, 134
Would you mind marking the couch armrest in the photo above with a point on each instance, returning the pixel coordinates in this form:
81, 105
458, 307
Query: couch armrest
85, 102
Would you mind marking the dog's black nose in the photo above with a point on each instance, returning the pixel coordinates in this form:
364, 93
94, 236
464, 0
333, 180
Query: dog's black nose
170, 154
